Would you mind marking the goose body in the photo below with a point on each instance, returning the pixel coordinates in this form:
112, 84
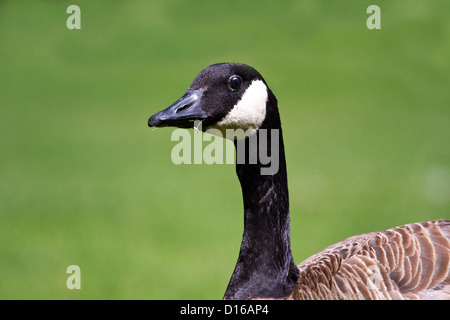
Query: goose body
405, 262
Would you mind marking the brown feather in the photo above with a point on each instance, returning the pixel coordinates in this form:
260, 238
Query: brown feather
407, 262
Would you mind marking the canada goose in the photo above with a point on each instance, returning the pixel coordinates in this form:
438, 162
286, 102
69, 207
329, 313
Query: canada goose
406, 262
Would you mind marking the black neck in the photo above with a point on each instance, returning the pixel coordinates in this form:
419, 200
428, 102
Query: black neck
265, 267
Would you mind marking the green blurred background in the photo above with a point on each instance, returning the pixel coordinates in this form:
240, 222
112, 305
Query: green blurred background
83, 180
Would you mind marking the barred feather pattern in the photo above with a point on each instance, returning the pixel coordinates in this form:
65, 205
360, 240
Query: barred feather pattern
406, 262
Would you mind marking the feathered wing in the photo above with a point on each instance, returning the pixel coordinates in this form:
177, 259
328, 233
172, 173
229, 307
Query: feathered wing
407, 262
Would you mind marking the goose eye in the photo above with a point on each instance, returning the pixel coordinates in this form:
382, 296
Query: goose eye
234, 83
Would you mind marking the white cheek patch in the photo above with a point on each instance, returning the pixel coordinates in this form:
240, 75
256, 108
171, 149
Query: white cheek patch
249, 113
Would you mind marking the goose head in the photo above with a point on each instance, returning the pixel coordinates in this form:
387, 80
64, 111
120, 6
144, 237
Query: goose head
222, 96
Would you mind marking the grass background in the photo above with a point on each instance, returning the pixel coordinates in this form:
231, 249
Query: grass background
84, 181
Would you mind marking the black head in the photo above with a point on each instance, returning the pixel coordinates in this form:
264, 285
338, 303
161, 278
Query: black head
222, 96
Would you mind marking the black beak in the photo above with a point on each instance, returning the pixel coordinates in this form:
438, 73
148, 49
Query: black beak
182, 113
